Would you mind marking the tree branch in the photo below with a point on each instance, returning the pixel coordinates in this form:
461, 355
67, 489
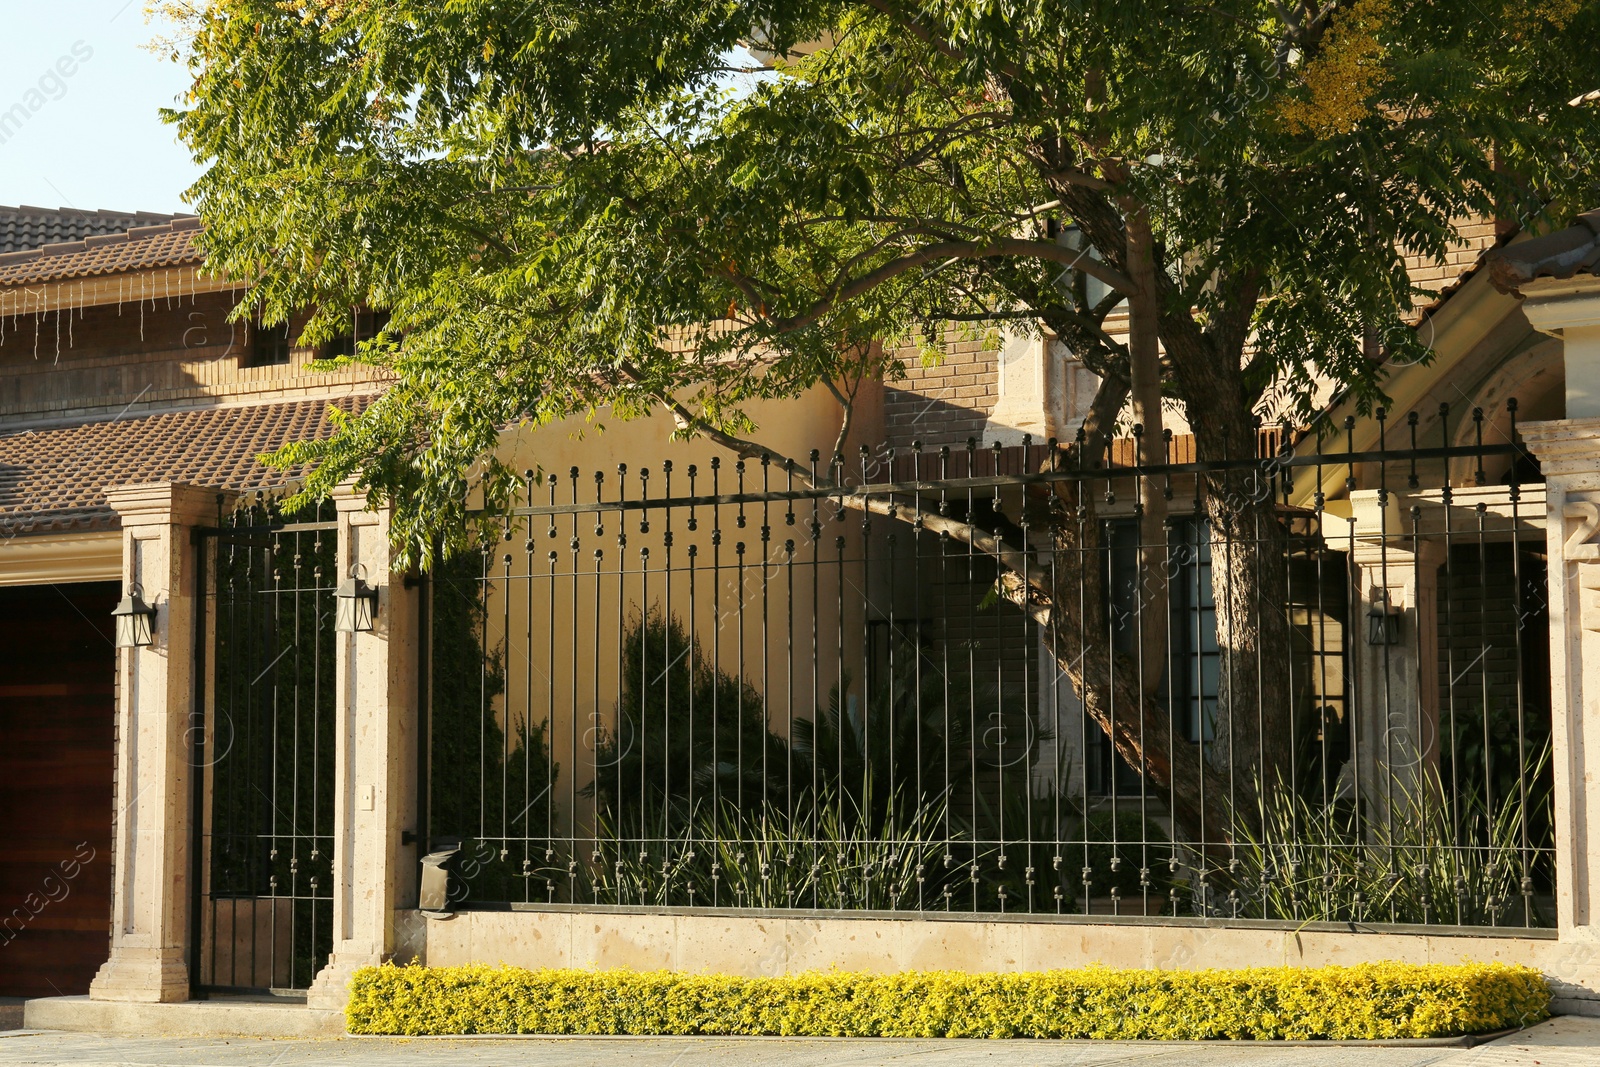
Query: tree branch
1007, 71
992, 248
1029, 587
1074, 176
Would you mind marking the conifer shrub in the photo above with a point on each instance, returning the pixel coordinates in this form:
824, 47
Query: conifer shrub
1368, 1001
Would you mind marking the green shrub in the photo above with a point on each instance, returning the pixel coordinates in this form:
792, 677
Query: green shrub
1380, 1000
1441, 856
833, 858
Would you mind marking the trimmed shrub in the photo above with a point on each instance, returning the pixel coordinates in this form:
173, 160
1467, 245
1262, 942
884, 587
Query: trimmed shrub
1379, 1000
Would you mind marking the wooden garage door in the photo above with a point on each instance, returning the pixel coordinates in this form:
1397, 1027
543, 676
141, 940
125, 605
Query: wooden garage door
57, 667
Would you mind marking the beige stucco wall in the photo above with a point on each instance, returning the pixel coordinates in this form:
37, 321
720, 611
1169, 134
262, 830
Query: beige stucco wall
562, 660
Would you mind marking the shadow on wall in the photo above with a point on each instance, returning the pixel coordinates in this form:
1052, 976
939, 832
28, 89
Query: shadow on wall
911, 416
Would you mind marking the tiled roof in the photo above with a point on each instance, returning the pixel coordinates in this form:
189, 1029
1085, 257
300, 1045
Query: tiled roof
1563, 254
169, 244
26, 227
54, 480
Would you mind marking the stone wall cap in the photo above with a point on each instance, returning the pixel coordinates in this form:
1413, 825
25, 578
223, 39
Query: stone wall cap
168, 503
1560, 429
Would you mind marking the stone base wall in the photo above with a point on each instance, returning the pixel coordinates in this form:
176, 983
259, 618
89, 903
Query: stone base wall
770, 944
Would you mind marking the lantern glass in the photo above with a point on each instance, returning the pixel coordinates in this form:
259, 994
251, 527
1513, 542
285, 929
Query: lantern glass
357, 603
1383, 625
135, 620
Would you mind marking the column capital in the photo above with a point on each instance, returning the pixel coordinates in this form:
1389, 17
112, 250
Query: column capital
347, 498
168, 503
1402, 556
1383, 532
1563, 307
1564, 446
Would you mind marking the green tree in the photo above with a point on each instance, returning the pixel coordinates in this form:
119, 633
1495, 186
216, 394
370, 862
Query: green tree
687, 736
476, 736
552, 198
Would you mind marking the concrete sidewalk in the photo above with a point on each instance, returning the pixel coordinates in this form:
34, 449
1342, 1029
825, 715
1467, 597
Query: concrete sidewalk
1565, 1042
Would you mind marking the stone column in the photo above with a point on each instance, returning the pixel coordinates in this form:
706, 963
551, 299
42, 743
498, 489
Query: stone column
1043, 391
150, 929
1569, 451
1397, 685
1562, 298
375, 803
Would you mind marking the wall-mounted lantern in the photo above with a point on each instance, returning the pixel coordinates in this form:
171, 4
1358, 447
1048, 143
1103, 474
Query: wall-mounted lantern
135, 619
1383, 622
357, 603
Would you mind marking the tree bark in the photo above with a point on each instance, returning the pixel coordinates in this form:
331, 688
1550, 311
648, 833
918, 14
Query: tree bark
1142, 729
1249, 567
1144, 367
1249, 579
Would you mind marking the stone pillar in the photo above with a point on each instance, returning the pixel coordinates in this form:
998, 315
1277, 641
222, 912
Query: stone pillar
150, 926
1397, 685
1562, 298
375, 803
1569, 451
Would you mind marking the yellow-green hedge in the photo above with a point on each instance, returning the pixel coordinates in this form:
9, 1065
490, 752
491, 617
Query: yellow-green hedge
1382, 1000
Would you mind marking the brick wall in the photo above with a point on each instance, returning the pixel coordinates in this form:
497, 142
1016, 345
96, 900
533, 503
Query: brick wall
168, 352
946, 403
1425, 272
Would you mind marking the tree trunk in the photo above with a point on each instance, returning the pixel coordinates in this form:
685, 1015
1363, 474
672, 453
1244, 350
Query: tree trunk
1249, 583
1144, 367
1141, 728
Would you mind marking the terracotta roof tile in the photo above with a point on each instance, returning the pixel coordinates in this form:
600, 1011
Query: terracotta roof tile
54, 480
28, 227
170, 244
1560, 255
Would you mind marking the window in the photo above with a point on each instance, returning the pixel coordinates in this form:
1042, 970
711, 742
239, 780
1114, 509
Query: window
1191, 686
269, 346
1086, 292
1190, 683
364, 325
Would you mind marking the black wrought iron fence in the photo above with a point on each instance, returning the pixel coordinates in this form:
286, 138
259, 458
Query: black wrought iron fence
1303, 685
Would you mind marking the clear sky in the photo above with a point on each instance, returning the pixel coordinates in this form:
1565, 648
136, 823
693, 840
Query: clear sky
79, 98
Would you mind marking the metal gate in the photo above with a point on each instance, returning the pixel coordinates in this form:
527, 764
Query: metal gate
263, 914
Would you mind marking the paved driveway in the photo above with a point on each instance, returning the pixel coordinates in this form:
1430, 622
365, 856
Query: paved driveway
1558, 1043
